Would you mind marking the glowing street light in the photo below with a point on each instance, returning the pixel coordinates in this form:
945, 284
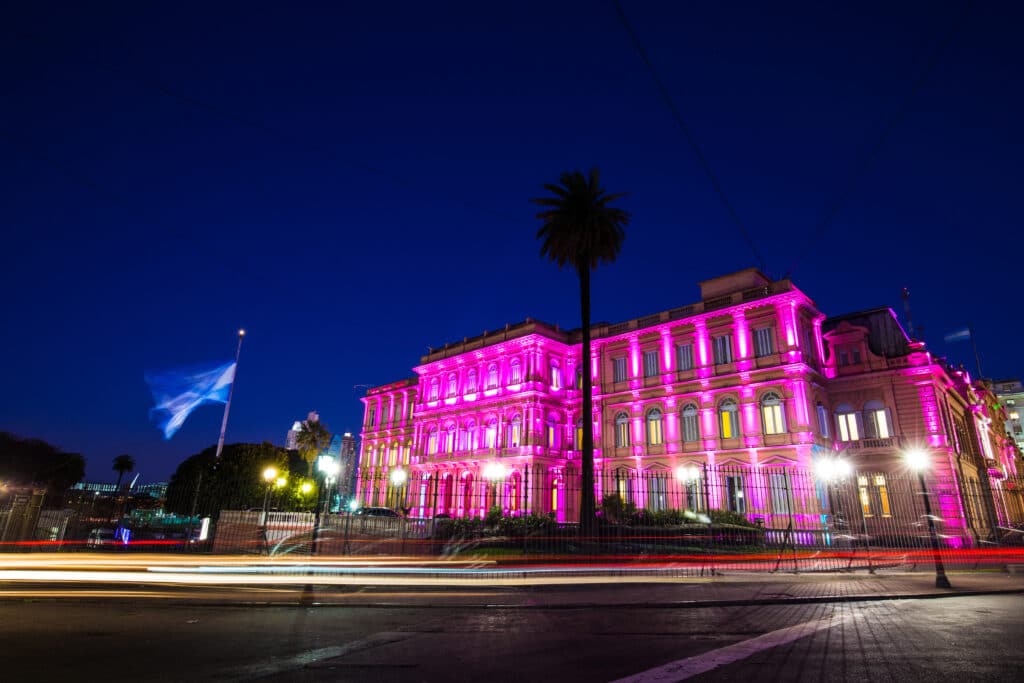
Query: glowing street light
687, 473
398, 477
306, 487
918, 460
270, 474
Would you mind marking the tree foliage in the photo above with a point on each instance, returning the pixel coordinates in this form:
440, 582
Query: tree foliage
123, 463
33, 462
234, 482
581, 230
312, 440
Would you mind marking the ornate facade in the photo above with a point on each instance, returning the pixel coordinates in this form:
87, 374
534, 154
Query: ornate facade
751, 376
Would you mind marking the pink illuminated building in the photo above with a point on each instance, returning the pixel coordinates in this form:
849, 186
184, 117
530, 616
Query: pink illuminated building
752, 381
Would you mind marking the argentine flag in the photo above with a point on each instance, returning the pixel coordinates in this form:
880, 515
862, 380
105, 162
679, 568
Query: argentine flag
176, 393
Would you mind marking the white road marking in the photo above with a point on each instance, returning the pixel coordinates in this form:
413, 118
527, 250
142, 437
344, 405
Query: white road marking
302, 659
682, 669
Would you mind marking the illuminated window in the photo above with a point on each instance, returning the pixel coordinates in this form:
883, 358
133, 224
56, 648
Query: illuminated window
694, 495
656, 493
723, 349
579, 377
453, 385
876, 421
847, 421
823, 420
492, 375
383, 413
622, 431
578, 444
432, 441
728, 427
874, 496
551, 433
491, 433
412, 407
515, 372
684, 356
556, 375
690, 423
407, 453
393, 455
772, 418
619, 369
434, 389
764, 341
372, 419
654, 434
449, 441
515, 432
650, 363
471, 381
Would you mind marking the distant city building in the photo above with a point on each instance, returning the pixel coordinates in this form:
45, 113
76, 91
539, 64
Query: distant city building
291, 440
1011, 396
349, 464
155, 490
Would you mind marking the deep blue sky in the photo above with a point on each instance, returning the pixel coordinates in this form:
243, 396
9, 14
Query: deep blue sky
140, 230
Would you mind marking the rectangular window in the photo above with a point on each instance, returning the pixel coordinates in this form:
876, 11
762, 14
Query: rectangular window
848, 427
844, 359
684, 356
764, 342
654, 435
734, 488
874, 496
779, 486
515, 374
723, 349
556, 377
728, 424
694, 496
691, 432
650, 363
619, 369
373, 417
823, 421
412, 407
772, 417
622, 434
878, 424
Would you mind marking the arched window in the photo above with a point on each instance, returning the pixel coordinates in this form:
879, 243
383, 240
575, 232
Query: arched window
556, 375
450, 440
393, 455
492, 375
515, 372
579, 377
578, 442
432, 441
622, 431
728, 425
876, 421
654, 433
407, 453
772, 418
515, 432
434, 387
453, 385
491, 433
846, 419
471, 381
690, 423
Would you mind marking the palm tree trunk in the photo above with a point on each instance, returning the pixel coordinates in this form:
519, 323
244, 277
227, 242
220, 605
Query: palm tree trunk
587, 507
120, 475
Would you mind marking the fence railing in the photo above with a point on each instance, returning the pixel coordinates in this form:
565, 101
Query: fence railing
700, 516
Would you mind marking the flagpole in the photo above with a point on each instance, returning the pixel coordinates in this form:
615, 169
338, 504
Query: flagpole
977, 358
231, 391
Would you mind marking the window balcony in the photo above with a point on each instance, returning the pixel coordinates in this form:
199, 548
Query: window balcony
866, 444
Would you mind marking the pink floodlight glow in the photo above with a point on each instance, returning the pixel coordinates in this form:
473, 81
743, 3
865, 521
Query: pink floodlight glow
741, 336
702, 344
634, 357
750, 418
668, 358
800, 398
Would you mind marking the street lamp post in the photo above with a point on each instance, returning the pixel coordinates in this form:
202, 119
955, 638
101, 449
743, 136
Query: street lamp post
398, 478
692, 477
919, 461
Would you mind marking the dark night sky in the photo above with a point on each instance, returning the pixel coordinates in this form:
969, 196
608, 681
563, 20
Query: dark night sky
141, 228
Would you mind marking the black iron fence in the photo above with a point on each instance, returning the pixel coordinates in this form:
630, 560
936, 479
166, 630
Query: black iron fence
703, 517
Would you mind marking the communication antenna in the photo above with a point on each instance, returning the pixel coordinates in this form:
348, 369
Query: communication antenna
906, 310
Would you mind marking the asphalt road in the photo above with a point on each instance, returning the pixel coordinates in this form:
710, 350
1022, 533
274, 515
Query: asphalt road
956, 639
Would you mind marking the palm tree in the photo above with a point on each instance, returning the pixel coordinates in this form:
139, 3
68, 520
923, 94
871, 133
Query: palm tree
122, 464
580, 230
313, 439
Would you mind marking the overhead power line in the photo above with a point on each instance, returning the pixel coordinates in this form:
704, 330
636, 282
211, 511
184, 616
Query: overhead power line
688, 134
861, 167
